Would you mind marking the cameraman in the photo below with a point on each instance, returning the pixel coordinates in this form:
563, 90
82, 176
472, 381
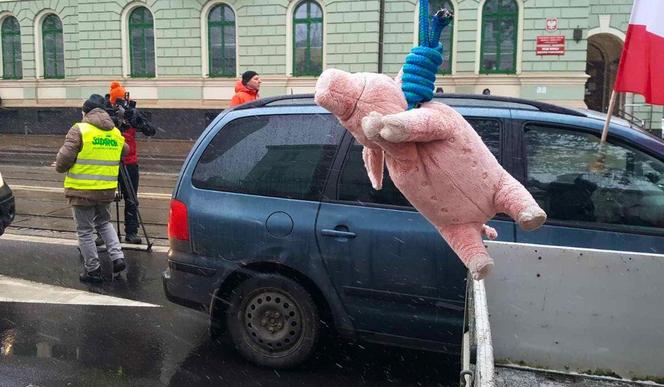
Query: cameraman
130, 161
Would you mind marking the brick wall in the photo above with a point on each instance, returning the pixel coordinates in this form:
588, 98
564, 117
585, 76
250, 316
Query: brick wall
262, 36
399, 35
99, 38
352, 35
570, 14
466, 38
618, 9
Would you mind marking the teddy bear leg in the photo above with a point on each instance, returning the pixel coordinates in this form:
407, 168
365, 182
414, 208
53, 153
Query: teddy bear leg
466, 241
513, 199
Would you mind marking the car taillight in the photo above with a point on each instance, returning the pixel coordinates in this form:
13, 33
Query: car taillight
178, 223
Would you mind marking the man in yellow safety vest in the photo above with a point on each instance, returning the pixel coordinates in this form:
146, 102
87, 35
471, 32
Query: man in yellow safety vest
90, 157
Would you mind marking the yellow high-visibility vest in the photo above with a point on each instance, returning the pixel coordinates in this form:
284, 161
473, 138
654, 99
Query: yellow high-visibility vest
98, 162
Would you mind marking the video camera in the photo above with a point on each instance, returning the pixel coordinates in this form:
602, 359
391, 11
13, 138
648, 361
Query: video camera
125, 115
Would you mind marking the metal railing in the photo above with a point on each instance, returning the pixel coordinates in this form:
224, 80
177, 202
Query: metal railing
478, 364
632, 119
629, 113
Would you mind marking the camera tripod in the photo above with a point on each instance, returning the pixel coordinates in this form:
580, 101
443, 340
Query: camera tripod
133, 198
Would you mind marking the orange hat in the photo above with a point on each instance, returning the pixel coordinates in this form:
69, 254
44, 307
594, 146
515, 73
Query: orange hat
117, 91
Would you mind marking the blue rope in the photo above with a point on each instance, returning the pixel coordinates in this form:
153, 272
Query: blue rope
419, 71
424, 22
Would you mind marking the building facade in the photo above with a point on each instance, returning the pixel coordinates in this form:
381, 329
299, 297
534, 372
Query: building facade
188, 54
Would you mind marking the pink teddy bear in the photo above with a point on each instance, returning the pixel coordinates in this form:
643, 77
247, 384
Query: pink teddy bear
434, 157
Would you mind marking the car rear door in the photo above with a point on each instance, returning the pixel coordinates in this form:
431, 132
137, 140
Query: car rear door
256, 187
399, 280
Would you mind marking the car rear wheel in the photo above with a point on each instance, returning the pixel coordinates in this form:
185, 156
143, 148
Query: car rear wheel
273, 321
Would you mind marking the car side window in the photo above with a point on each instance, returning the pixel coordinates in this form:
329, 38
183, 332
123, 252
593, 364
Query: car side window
627, 192
271, 155
354, 184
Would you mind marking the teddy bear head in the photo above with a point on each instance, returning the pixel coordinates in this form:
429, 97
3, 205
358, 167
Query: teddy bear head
350, 97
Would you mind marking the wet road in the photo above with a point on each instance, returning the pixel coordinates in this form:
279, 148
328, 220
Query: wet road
51, 342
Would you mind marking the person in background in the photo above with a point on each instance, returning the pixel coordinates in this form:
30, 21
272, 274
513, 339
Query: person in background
246, 90
130, 161
90, 157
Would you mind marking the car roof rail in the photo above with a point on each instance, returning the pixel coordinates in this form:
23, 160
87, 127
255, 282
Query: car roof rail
494, 101
459, 100
292, 99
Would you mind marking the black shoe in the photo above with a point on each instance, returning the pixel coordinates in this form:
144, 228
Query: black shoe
91, 276
133, 239
119, 265
99, 242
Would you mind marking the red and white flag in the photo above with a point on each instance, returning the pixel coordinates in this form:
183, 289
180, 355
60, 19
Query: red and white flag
641, 67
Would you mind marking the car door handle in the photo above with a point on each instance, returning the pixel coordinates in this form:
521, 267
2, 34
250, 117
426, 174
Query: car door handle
337, 233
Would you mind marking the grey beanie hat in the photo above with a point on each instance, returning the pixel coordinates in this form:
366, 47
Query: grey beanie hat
95, 101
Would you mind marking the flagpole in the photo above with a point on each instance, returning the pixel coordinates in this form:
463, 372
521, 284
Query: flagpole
598, 164
612, 103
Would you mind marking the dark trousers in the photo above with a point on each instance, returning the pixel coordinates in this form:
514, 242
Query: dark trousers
130, 210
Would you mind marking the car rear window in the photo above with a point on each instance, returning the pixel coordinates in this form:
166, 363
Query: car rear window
285, 156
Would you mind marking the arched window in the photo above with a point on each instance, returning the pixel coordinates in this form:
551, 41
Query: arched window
221, 40
53, 47
499, 36
11, 49
308, 39
141, 43
446, 38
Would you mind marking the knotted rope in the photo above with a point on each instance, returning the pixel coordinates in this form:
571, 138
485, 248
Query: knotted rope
419, 71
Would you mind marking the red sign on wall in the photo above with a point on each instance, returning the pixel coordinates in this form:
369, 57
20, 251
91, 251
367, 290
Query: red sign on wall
550, 45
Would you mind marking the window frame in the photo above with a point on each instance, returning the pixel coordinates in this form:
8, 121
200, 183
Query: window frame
500, 16
308, 21
616, 141
17, 66
143, 27
53, 51
221, 24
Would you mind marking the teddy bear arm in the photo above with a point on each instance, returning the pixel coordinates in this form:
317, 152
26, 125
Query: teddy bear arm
417, 125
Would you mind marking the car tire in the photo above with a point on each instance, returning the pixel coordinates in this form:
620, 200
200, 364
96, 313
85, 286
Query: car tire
217, 330
273, 321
